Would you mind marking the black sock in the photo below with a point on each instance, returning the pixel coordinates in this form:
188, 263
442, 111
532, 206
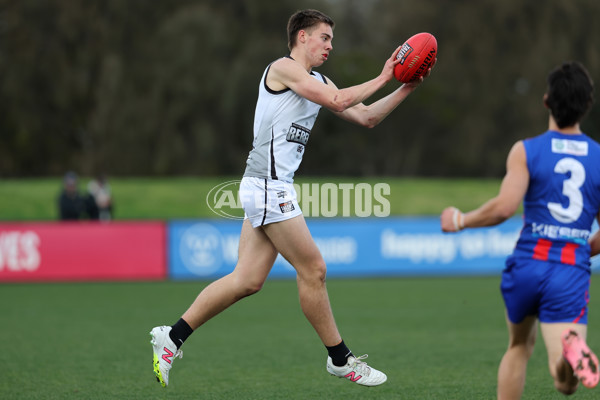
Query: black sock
339, 354
180, 332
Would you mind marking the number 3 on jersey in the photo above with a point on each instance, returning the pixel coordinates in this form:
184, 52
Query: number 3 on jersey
570, 190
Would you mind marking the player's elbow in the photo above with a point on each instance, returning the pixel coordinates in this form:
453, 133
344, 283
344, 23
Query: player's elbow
370, 123
337, 106
364, 122
367, 125
363, 116
340, 102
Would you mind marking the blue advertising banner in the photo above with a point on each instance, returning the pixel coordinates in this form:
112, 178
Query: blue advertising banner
392, 246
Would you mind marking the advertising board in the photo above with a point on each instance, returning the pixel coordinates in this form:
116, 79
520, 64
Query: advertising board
82, 251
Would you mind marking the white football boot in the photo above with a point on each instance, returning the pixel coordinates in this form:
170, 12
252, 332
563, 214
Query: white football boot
164, 352
357, 371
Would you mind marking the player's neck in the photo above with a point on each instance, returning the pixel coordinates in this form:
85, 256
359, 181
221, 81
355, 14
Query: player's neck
298, 56
567, 130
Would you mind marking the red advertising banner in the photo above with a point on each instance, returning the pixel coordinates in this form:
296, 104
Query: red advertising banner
82, 251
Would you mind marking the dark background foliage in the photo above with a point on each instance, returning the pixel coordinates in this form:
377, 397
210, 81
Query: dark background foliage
168, 87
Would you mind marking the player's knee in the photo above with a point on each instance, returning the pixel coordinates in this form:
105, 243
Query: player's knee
529, 349
247, 290
247, 287
525, 346
251, 288
314, 272
524, 350
319, 271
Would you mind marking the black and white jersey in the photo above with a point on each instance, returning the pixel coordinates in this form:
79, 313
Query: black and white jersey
282, 124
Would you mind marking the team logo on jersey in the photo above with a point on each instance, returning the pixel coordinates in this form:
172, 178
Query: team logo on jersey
281, 194
298, 134
572, 147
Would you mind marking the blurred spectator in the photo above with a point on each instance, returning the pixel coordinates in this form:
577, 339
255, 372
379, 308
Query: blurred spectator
99, 192
70, 202
95, 204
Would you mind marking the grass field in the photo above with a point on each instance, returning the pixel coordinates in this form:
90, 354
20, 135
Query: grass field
168, 198
435, 338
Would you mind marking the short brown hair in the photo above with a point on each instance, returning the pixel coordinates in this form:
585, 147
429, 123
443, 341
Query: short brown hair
302, 20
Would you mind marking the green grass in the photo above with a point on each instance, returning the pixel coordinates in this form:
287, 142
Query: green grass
435, 338
172, 198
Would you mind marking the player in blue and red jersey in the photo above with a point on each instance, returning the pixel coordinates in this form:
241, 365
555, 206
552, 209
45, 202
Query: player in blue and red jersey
547, 277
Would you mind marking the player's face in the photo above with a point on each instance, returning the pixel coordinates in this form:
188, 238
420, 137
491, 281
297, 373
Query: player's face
319, 44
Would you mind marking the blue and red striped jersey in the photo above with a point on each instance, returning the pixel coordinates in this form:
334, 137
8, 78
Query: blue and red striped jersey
562, 200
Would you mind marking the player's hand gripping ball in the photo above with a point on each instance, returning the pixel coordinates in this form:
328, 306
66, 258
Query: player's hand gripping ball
416, 56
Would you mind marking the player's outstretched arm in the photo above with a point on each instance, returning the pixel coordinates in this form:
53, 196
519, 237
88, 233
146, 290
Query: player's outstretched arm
287, 73
500, 208
371, 115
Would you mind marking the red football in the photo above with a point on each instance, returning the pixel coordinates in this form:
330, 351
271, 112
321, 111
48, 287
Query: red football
416, 56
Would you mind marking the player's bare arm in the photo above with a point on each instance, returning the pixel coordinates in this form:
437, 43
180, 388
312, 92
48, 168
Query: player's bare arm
500, 208
288, 73
371, 115
595, 241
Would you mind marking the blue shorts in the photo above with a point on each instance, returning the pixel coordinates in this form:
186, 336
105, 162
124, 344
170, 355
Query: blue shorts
553, 292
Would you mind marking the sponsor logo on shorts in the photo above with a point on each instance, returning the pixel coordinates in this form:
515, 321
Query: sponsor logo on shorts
288, 206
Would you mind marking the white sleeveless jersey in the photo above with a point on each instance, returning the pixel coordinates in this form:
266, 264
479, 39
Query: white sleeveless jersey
282, 124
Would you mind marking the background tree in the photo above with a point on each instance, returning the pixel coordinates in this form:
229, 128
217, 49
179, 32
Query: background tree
169, 87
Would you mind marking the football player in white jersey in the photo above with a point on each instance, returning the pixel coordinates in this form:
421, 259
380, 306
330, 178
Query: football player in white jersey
290, 97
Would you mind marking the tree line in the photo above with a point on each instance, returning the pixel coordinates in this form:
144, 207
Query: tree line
168, 87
